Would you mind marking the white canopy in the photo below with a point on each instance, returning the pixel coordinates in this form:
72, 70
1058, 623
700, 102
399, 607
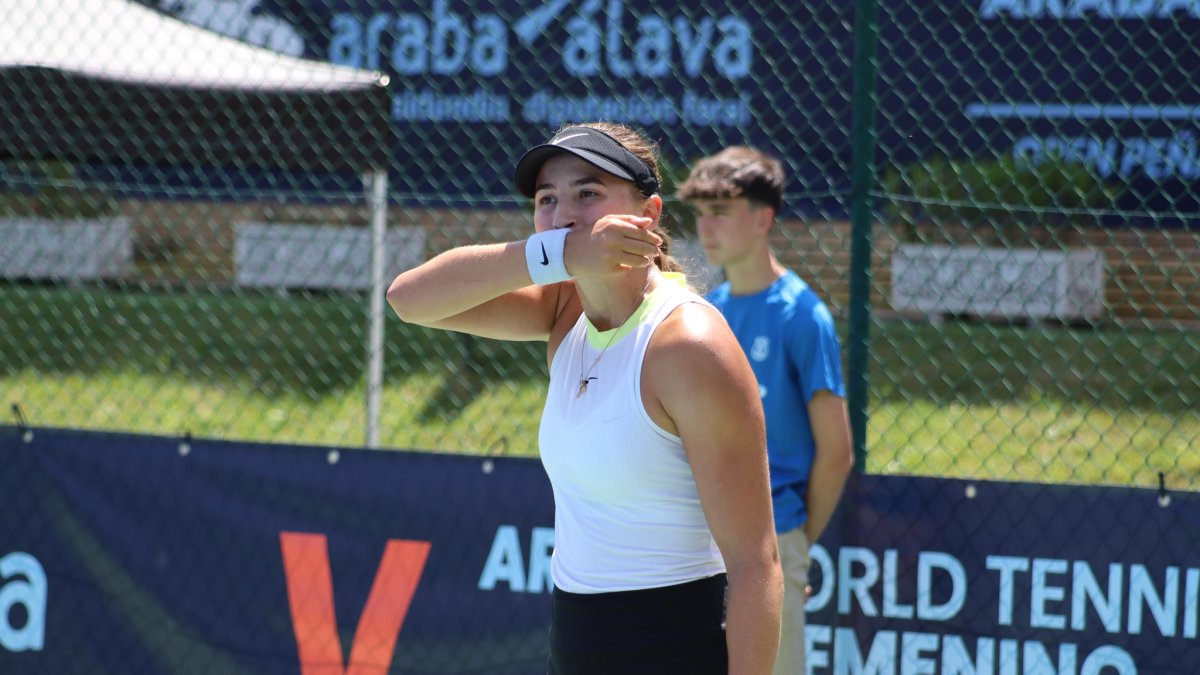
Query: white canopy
115, 81
123, 40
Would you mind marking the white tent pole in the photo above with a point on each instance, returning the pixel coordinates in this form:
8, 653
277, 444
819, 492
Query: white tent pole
377, 180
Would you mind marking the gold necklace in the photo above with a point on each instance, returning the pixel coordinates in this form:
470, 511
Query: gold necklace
585, 378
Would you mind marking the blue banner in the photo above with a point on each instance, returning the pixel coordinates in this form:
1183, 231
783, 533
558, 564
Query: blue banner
1113, 85
137, 554
931, 575
132, 554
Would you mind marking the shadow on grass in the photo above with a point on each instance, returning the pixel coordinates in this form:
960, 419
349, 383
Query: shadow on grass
481, 365
986, 363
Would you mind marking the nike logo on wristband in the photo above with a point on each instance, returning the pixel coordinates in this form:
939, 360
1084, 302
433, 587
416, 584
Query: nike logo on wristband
545, 258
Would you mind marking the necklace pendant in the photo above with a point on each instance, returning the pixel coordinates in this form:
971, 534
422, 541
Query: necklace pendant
583, 384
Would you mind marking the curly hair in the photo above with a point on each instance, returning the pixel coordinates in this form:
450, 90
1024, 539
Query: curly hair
736, 171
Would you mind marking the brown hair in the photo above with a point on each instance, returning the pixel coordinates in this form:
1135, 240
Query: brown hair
646, 150
736, 171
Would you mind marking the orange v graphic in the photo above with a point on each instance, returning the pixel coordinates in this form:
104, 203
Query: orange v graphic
310, 595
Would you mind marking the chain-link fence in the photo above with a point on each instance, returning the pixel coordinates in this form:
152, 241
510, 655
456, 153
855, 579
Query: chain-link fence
999, 201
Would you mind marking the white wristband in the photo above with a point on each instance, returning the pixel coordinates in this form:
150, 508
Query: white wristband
544, 257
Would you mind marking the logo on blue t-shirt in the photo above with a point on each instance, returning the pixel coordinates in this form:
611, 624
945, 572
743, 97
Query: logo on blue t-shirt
761, 348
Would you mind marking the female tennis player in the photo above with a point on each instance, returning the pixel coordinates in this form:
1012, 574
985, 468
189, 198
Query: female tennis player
665, 557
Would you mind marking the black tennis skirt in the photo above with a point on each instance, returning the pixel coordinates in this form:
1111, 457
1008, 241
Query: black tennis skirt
664, 631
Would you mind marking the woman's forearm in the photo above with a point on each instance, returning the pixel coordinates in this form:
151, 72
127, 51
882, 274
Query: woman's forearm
752, 617
458, 280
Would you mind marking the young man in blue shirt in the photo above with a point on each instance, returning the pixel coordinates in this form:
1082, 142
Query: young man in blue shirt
789, 338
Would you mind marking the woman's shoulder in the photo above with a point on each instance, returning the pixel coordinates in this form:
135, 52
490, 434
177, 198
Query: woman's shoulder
693, 330
694, 366
676, 290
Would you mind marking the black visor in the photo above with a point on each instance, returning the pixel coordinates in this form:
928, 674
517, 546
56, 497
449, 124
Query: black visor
592, 146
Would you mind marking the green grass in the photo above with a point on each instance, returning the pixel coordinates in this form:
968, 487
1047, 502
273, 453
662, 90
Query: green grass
963, 399
258, 367
1044, 404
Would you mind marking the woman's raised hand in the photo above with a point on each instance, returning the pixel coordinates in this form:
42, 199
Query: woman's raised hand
615, 243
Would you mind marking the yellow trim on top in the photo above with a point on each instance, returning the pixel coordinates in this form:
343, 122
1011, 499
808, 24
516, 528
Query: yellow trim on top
600, 339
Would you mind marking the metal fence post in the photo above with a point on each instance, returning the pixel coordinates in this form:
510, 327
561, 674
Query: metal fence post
377, 181
861, 219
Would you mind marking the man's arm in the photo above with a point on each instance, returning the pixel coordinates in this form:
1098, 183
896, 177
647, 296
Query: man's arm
832, 459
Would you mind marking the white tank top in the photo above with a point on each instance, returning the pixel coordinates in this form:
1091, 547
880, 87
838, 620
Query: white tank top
627, 512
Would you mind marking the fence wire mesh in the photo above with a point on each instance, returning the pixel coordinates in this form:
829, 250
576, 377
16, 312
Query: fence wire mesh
1035, 282
185, 241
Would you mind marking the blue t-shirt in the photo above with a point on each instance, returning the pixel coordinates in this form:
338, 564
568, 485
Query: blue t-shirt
790, 340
